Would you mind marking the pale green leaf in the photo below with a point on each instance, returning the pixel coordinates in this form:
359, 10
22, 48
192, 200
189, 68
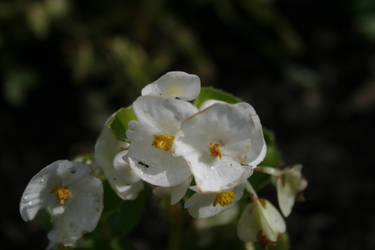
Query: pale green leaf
210, 93
119, 124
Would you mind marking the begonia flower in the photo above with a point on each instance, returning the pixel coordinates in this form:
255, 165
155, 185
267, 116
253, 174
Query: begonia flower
152, 138
260, 221
202, 205
74, 197
288, 185
221, 144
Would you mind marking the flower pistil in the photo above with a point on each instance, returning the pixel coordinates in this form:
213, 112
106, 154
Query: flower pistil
163, 141
62, 193
224, 198
215, 150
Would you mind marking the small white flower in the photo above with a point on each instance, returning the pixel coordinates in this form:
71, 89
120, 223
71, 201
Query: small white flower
222, 144
288, 185
206, 205
176, 84
152, 138
72, 194
260, 221
110, 155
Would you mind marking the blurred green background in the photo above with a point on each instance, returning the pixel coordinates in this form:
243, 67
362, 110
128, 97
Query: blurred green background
306, 66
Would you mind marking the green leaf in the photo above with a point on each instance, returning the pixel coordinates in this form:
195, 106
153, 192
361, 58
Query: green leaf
259, 180
128, 215
209, 93
273, 157
43, 218
119, 124
116, 244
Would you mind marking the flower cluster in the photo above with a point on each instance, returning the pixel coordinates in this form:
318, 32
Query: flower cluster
164, 140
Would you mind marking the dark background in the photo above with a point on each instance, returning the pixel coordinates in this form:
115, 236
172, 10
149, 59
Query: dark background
306, 66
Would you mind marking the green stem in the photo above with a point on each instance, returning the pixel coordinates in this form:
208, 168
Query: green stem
250, 189
175, 227
268, 170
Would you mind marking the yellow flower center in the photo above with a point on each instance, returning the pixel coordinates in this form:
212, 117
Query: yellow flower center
224, 198
163, 141
62, 193
215, 150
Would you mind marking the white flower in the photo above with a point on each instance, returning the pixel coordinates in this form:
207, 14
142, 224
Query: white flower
110, 155
288, 185
175, 84
260, 221
176, 193
152, 138
72, 194
222, 144
206, 205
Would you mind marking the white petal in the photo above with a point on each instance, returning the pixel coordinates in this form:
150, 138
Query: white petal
129, 192
226, 124
221, 219
116, 169
258, 145
217, 175
38, 193
257, 217
151, 164
175, 84
176, 193
82, 211
201, 205
272, 223
123, 170
285, 197
208, 103
125, 182
289, 187
249, 223
258, 148
164, 114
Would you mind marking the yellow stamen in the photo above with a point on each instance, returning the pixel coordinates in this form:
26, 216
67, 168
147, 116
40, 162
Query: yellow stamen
224, 198
124, 148
163, 141
215, 150
62, 193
